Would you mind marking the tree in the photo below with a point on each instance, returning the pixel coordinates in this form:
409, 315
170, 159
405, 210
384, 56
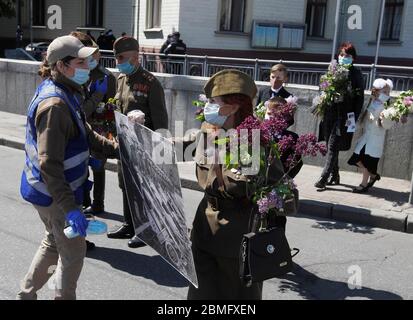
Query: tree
7, 8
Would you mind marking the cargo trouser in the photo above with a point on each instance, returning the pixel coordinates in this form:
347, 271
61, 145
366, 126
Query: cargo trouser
56, 254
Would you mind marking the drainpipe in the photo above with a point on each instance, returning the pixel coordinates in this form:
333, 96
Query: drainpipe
137, 9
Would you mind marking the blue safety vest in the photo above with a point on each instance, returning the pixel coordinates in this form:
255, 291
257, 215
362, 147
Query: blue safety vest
33, 187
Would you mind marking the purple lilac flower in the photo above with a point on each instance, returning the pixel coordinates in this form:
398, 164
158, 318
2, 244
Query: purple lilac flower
408, 101
324, 85
252, 123
285, 143
263, 205
274, 126
274, 200
307, 145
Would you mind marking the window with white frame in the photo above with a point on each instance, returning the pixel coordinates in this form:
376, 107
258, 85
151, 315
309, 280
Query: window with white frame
153, 14
94, 13
265, 35
272, 34
392, 20
316, 18
39, 13
232, 15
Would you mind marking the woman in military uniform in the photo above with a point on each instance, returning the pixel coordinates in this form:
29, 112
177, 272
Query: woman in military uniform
223, 215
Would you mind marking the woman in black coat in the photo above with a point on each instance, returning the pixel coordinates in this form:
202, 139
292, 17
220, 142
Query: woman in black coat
333, 127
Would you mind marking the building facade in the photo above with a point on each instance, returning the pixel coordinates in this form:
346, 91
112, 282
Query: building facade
267, 29
278, 29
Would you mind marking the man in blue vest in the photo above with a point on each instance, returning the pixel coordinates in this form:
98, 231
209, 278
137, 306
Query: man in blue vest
58, 144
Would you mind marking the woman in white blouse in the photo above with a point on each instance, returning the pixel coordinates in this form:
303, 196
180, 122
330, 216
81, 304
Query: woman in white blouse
370, 146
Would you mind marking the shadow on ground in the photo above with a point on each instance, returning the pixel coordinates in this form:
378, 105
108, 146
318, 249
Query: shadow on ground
150, 267
312, 287
111, 216
333, 225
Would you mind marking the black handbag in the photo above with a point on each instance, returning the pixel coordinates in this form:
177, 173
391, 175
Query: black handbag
264, 255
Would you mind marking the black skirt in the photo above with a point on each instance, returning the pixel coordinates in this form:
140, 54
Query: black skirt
369, 162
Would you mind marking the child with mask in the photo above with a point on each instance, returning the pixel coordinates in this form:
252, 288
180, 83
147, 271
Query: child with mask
369, 147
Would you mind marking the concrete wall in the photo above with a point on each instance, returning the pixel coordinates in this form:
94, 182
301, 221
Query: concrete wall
18, 81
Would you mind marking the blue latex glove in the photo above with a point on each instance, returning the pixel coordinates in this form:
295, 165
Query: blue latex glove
100, 86
77, 221
94, 163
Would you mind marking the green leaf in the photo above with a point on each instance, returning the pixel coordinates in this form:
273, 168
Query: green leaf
222, 141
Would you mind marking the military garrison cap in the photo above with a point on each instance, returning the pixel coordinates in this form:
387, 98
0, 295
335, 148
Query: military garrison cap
123, 44
230, 81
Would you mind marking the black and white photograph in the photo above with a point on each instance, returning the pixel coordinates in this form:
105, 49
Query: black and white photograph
154, 193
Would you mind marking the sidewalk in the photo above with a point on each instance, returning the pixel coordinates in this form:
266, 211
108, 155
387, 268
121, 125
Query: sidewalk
385, 206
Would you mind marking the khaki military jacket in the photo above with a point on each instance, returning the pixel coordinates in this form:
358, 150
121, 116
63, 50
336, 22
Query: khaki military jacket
142, 91
224, 214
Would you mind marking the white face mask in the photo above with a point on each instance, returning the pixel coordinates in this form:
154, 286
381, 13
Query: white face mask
211, 113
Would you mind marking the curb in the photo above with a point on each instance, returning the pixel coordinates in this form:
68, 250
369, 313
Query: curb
400, 221
385, 219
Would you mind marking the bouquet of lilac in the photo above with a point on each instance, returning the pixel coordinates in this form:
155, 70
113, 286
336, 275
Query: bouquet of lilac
271, 197
334, 86
401, 108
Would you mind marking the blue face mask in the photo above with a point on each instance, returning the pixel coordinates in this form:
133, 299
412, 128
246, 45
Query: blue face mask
92, 63
345, 60
384, 97
81, 76
211, 113
126, 67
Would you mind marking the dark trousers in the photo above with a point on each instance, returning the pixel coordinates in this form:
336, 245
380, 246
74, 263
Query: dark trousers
99, 178
218, 279
331, 165
126, 210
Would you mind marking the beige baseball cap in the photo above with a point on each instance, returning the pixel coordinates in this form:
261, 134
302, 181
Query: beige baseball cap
67, 46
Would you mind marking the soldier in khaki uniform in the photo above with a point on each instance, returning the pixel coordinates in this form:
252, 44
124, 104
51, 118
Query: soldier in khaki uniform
138, 89
58, 144
224, 213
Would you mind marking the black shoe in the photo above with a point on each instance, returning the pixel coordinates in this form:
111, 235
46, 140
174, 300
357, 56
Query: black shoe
321, 183
135, 242
94, 210
89, 245
123, 232
361, 189
334, 179
372, 181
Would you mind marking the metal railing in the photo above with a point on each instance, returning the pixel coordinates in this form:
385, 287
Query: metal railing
299, 72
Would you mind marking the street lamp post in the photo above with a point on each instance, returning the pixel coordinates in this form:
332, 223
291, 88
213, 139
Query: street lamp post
337, 21
31, 24
376, 57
